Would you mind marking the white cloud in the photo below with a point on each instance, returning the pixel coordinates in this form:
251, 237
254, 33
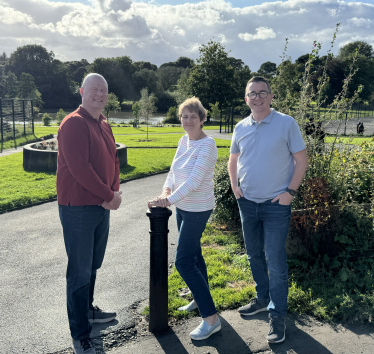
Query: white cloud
360, 22
159, 34
10, 16
262, 33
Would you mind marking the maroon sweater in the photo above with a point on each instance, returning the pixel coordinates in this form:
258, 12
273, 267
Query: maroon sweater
87, 162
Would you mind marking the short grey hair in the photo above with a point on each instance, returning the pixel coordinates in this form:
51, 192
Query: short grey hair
93, 75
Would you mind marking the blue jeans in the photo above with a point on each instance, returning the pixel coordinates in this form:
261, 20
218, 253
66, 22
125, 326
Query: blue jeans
265, 227
86, 230
189, 260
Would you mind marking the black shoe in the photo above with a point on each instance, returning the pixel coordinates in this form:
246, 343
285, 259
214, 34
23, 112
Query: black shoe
255, 306
83, 346
96, 315
277, 331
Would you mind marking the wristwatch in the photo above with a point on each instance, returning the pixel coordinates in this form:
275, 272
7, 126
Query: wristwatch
291, 191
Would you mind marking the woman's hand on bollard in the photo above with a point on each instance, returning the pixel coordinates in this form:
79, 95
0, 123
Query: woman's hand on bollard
153, 202
163, 201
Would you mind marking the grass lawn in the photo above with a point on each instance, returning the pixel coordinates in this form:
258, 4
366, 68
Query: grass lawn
41, 130
159, 140
349, 140
19, 188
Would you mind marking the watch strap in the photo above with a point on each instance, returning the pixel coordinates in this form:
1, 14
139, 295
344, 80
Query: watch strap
291, 191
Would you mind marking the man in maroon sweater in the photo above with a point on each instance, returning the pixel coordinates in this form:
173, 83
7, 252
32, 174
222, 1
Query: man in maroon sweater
87, 189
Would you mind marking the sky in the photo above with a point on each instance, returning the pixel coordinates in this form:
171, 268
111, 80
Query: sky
163, 30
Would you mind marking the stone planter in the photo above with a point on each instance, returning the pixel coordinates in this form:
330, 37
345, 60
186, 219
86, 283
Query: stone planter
36, 160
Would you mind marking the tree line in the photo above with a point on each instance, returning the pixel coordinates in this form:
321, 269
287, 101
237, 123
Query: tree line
215, 77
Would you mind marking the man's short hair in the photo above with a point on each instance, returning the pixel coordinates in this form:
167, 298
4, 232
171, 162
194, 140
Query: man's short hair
91, 75
193, 104
257, 79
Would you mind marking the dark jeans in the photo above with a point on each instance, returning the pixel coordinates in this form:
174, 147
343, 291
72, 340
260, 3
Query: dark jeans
265, 227
189, 260
86, 230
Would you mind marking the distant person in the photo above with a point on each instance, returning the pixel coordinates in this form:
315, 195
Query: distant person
360, 128
189, 186
87, 189
310, 127
268, 157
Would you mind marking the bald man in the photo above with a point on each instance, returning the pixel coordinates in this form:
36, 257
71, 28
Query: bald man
87, 189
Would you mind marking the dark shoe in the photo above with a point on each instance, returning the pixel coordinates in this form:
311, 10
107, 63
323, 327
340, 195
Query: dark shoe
277, 332
255, 306
96, 315
83, 346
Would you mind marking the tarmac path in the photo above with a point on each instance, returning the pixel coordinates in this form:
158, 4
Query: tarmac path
33, 265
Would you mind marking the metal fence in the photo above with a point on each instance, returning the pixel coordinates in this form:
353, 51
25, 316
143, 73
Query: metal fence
16, 118
357, 111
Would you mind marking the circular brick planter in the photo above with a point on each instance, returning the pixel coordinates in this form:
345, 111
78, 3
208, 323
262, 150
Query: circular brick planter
46, 160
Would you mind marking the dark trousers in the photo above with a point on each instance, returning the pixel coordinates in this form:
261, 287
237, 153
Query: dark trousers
265, 227
86, 230
189, 260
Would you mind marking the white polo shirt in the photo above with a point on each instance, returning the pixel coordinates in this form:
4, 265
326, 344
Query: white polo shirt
266, 164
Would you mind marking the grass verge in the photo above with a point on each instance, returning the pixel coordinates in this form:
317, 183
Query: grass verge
229, 276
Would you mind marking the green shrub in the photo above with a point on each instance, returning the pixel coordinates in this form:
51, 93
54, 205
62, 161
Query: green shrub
172, 116
46, 119
226, 210
60, 115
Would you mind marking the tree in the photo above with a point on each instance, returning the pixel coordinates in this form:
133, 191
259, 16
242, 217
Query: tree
3, 57
36, 96
213, 78
112, 105
136, 112
139, 65
147, 105
35, 60
172, 116
169, 76
214, 109
183, 88
60, 115
184, 62
118, 73
10, 85
26, 85
268, 69
147, 78
363, 48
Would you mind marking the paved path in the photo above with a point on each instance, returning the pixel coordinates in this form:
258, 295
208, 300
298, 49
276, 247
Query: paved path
33, 265
247, 335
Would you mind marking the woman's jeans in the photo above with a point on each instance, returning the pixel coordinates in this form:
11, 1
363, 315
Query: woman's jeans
265, 227
86, 230
189, 260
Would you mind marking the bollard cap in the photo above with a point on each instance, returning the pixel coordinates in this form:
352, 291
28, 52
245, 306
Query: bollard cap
159, 212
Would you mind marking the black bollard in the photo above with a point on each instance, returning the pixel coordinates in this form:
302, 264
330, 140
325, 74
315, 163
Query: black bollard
158, 280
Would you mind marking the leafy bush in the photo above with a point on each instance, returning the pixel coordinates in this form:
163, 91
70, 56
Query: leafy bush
46, 119
171, 116
60, 115
226, 210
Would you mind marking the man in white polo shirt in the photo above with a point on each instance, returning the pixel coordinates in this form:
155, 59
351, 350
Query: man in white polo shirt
269, 158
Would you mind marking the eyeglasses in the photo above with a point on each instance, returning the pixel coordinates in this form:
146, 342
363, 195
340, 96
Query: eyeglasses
253, 95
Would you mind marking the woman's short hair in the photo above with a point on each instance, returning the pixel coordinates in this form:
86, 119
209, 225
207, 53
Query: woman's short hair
193, 104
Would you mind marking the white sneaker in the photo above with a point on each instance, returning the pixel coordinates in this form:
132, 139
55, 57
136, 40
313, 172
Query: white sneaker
204, 331
192, 306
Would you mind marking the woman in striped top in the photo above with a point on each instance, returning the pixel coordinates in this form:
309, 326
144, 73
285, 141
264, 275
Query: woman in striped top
189, 186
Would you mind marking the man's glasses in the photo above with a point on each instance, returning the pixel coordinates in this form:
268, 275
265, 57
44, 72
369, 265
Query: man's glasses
253, 95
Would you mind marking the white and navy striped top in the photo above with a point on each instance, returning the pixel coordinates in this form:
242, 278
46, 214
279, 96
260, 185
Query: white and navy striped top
191, 174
